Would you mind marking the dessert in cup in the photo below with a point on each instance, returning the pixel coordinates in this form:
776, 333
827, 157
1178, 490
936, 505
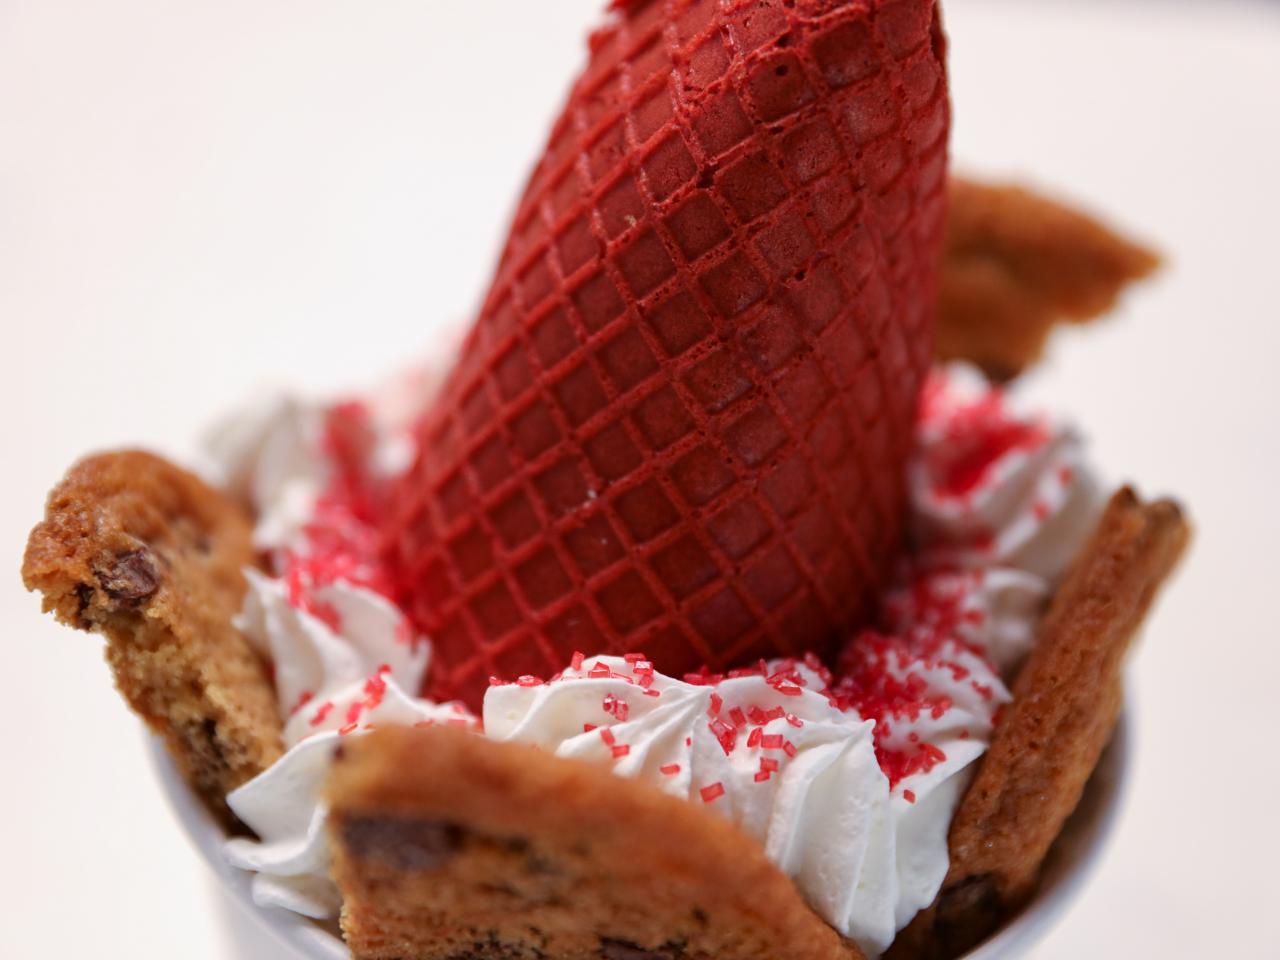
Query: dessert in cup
718, 600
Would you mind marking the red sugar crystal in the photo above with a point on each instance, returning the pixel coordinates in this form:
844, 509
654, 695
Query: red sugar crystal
789, 749
303, 699
670, 769
909, 796
621, 750
712, 793
576, 662
725, 734
607, 736
617, 707
772, 741
323, 712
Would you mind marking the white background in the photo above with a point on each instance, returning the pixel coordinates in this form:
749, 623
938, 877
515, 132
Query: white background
197, 199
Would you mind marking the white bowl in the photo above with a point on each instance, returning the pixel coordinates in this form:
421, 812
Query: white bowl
1071, 862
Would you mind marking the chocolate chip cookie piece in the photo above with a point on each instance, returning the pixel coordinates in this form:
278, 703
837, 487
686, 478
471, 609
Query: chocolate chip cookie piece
1066, 701
1016, 265
151, 557
450, 846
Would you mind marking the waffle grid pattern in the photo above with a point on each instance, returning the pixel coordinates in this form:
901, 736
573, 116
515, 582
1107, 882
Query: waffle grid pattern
678, 423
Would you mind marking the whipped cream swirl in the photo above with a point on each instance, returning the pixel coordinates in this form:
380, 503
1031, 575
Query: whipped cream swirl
992, 486
849, 782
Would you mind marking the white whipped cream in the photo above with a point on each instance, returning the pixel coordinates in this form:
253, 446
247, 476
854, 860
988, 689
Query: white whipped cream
994, 486
267, 456
1001, 503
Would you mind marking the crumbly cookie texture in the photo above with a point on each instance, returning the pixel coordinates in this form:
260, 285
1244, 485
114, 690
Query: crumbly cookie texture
1016, 265
448, 846
151, 557
1065, 704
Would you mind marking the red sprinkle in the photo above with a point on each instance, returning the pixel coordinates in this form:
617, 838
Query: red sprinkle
607, 736
909, 796
325, 709
621, 750
724, 733
576, 662
712, 793
617, 707
670, 769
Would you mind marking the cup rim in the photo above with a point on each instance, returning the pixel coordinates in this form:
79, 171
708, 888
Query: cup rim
1073, 860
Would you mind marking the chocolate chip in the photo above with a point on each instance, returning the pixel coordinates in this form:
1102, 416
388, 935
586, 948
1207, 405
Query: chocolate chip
968, 912
131, 577
403, 843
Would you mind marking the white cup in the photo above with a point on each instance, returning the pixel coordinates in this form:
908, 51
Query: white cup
1070, 863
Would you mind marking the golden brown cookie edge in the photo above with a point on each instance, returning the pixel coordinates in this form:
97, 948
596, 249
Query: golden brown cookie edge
151, 557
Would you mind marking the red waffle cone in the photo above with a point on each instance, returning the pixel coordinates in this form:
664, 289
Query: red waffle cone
680, 422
